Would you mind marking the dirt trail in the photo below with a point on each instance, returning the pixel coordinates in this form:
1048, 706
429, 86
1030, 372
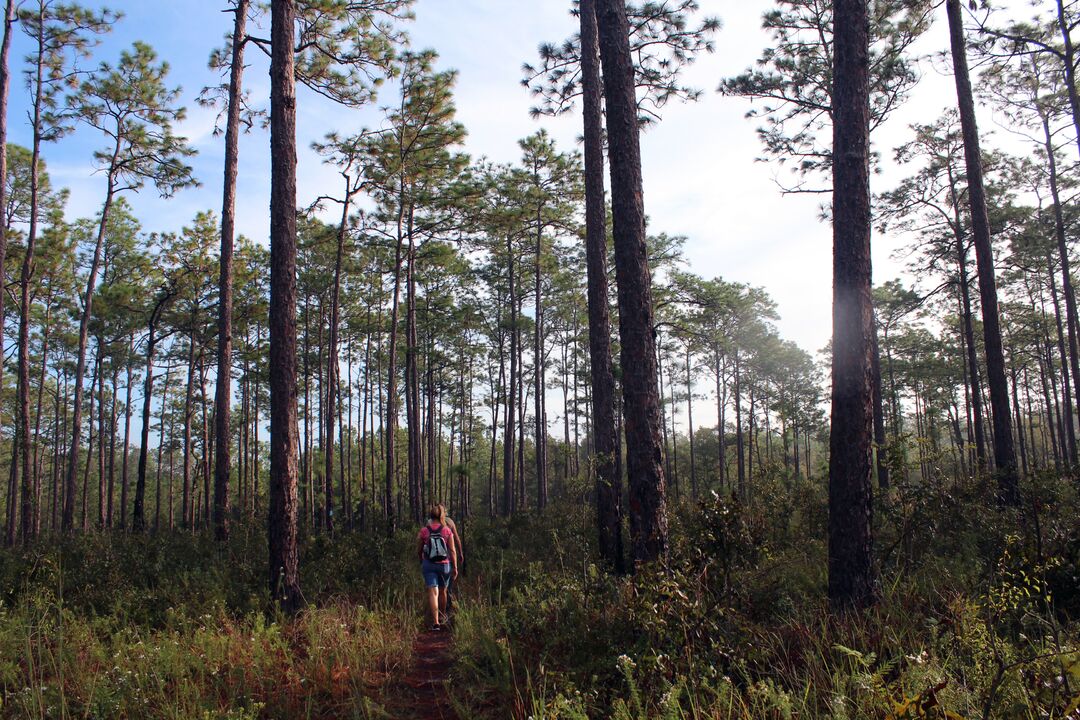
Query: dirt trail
423, 692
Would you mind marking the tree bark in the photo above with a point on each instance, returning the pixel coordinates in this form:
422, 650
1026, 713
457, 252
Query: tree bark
851, 575
511, 392
23, 431
84, 328
605, 442
5, 86
1071, 319
332, 367
284, 580
539, 406
1004, 451
223, 390
190, 493
390, 423
641, 405
880, 439
127, 434
138, 515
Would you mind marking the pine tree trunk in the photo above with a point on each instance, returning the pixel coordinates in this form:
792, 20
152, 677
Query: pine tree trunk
223, 389
1066, 389
1071, 319
412, 383
851, 574
83, 515
207, 444
5, 86
641, 406
160, 448
39, 464
284, 580
539, 409
112, 442
1069, 68
739, 450
1004, 452
127, 435
101, 437
969, 341
189, 491
390, 422
511, 391
84, 329
332, 370
138, 515
23, 386
879, 418
690, 422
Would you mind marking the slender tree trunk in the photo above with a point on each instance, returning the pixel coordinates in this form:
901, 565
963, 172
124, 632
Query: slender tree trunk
207, 444
160, 448
1004, 451
112, 444
127, 434
1069, 67
539, 409
1019, 425
59, 432
223, 390
101, 437
23, 387
641, 406
1072, 320
332, 368
42, 374
304, 449
412, 383
390, 423
851, 573
190, 494
84, 329
690, 422
255, 431
83, 521
138, 515
739, 449
880, 438
969, 343
511, 394
284, 579
1066, 389
5, 86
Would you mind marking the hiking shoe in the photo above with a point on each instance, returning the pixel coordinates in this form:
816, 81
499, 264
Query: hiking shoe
435, 628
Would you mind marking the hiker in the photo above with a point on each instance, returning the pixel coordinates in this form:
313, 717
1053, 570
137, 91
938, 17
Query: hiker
438, 561
459, 546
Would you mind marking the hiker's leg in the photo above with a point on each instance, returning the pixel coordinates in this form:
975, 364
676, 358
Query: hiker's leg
433, 604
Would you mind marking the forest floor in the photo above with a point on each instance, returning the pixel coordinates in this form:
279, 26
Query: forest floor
423, 691
978, 610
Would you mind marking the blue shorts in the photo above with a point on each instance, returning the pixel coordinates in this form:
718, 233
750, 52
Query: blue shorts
435, 574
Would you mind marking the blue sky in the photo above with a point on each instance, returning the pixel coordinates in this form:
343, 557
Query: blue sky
701, 175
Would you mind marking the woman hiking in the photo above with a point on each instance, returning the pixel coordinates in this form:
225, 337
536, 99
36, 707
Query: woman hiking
438, 561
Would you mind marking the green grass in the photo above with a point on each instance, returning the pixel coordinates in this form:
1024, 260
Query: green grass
978, 617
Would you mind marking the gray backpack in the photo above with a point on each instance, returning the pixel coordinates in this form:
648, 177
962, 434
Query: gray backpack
435, 549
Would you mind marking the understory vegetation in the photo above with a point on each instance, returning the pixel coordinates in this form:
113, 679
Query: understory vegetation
977, 618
